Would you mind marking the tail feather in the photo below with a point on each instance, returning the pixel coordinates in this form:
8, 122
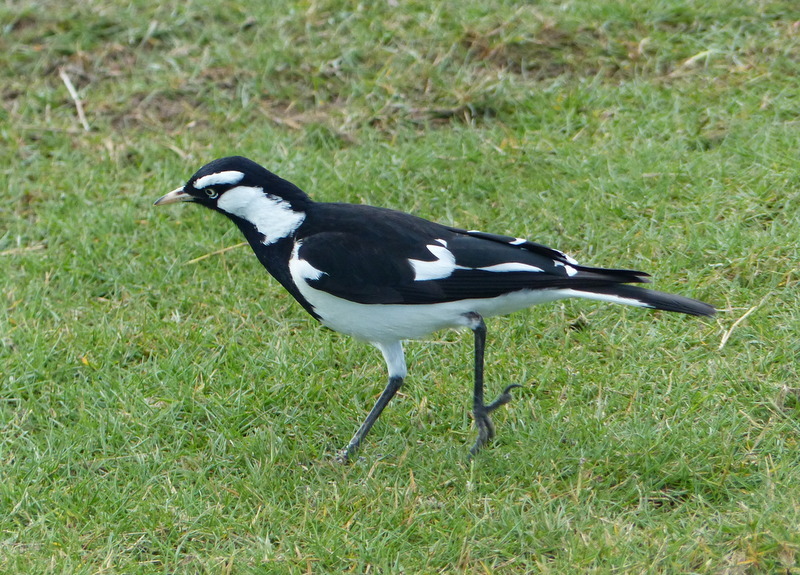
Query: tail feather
641, 297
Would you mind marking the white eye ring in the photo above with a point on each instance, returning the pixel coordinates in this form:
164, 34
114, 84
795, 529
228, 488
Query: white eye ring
211, 193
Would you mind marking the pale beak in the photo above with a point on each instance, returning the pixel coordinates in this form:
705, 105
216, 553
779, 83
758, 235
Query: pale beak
174, 196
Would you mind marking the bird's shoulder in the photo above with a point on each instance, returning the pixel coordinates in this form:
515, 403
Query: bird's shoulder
367, 222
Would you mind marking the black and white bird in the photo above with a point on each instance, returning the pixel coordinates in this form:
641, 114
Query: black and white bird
385, 276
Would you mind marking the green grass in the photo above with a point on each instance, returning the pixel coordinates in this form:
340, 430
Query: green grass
161, 416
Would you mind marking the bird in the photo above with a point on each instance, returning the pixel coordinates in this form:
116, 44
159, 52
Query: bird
385, 276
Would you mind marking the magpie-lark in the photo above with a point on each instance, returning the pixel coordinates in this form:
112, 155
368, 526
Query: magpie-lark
384, 276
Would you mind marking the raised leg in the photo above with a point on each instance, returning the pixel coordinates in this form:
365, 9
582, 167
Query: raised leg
388, 393
396, 364
480, 410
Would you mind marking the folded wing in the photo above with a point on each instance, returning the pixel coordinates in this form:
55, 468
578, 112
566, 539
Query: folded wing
406, 260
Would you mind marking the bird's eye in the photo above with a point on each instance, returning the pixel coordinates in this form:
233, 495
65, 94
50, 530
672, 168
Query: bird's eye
212, 193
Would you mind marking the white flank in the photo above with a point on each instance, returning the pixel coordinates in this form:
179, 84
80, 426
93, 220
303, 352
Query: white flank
228, 178
272, 216
511, 267
604, 297
387, 323
443, 266
518, 241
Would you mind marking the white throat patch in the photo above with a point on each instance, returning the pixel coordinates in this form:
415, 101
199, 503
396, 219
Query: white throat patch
272, 216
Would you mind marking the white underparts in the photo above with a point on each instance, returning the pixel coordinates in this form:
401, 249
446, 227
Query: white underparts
387, 323
272, 216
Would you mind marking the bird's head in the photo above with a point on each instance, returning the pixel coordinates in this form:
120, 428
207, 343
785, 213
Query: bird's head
247, 193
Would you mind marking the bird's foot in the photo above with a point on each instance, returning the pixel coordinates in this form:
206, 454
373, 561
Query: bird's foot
484, 423
345, 456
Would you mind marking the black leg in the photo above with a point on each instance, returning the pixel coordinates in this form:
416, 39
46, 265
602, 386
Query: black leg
388, 393
480, 410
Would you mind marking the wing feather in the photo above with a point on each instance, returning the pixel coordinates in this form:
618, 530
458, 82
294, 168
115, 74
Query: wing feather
378, 257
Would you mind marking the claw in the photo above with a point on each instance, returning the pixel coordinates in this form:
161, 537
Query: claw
503, 398
484, 423
485, 432
343, 457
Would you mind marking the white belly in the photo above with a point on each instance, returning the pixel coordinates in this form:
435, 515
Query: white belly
393, 322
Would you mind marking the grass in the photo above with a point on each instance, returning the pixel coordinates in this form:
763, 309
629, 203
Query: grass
161, 416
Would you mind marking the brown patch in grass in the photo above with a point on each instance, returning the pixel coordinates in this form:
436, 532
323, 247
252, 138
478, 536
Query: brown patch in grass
288, 114
321, 119
390, 117
466, 113
223, 77
24, 22
549, 53
10, 94
156, 109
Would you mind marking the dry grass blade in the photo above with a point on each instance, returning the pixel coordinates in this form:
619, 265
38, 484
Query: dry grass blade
726, 336
73, 93
22, 250
215, 253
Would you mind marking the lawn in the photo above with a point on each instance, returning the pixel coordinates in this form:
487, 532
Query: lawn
165, 407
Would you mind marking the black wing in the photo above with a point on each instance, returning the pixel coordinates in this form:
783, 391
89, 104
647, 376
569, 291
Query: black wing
373, 255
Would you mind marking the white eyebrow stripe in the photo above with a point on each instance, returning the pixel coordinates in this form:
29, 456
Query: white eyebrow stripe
228, 177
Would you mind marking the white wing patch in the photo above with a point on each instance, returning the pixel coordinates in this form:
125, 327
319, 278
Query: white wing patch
228, 178
511, 267
445, 264
272, 216
570, 260
301, 270
571, 271
442, 267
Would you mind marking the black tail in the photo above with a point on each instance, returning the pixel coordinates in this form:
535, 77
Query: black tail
641, 297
